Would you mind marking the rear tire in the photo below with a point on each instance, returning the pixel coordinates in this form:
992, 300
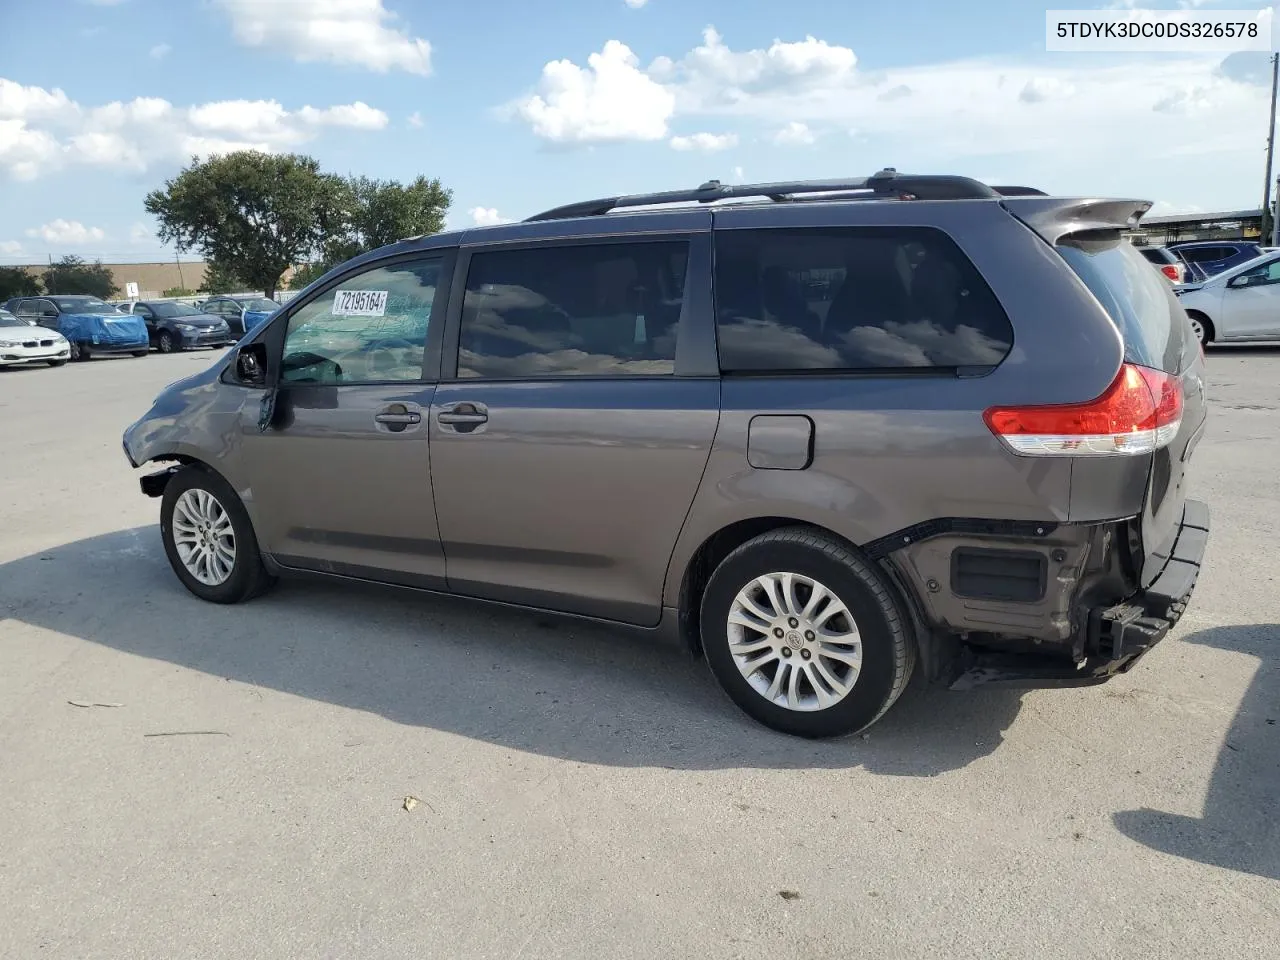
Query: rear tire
202, 500
860, 676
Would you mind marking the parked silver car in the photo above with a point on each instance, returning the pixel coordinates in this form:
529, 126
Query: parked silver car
1239, 304
828, 436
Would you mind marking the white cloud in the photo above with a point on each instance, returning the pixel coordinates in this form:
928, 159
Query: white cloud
42, 130
358, 116
1047, 121
611, 99
10, 248
1040, 89
705, 142
141, 233
415, 119
486, 216
794, 134
635, 4
66, 231
347, 32
160, 51
739, 175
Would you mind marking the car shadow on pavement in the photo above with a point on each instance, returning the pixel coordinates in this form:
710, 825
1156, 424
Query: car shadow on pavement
539, 684
1240, 825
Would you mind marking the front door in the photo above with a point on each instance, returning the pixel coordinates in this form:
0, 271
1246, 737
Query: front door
1253, 310
341, 478
567, 449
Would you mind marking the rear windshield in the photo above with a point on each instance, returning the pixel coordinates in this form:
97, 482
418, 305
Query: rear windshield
1139, 299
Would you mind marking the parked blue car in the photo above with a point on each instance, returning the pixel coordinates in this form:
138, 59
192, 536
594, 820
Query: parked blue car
92, 326
1205, 258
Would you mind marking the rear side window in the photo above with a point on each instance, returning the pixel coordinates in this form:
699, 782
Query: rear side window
853, 299
1140, 301
576, 310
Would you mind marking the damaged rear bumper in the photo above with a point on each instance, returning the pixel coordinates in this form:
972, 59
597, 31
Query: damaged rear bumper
1118, 636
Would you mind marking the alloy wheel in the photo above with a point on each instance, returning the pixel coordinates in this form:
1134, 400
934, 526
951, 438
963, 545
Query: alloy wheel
204, 537
794, 641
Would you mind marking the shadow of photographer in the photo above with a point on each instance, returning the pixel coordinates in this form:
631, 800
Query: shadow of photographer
1240, 826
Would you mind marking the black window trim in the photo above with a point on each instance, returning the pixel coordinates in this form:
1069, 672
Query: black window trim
695, 329
274, 331
952, 372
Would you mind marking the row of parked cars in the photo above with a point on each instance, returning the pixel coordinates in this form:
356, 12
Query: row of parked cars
53, 329
1229, 288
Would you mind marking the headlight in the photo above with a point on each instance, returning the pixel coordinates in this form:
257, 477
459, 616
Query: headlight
184, 327
10, 343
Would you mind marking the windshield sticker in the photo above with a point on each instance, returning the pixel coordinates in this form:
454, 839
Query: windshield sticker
359, 303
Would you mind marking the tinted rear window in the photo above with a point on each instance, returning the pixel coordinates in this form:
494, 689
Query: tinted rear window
853, 299
1140, 301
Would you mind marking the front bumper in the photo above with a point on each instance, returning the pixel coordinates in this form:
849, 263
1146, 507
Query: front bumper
12, 356
1118, 636
101, 348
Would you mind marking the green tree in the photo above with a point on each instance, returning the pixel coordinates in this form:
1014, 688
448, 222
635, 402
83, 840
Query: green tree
379, 212
17, 282
253, 214
305, 274
219, 279
72, 274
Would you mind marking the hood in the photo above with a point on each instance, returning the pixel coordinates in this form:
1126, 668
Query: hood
111, 327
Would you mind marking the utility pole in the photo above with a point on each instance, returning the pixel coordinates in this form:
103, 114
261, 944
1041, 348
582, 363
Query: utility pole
1271, 140
53, 277
183, 285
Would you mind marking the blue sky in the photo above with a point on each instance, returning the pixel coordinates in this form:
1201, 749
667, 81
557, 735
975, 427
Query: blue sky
519, 108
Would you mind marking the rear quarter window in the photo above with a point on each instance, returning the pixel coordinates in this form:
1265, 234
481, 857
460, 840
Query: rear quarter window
1139, 300
865, 299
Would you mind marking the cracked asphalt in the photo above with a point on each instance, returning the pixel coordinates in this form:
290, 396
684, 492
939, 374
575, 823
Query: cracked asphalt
239, 790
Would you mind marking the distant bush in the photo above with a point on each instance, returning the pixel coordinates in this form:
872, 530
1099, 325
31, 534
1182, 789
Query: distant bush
178, 292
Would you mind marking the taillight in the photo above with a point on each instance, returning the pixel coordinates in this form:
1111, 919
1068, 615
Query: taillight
1171, 271
1139, 413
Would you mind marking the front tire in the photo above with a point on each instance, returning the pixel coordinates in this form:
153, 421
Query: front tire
805, 635
209, 538
1202, 327
79, 354
164, 343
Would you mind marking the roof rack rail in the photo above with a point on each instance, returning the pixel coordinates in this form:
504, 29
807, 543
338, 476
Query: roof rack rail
887, 183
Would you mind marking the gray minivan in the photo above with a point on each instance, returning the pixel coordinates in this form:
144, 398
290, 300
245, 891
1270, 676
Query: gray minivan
826, 433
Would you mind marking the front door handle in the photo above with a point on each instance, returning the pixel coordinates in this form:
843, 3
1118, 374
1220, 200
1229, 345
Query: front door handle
401, 418
397, 417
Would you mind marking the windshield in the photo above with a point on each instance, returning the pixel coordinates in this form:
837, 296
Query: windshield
260, 305
1141, 302
7, 319
83, 305
174, 310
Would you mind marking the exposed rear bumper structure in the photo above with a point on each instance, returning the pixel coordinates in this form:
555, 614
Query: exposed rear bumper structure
1117, 636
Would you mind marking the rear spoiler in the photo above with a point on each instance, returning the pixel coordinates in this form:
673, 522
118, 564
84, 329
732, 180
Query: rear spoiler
1056, 217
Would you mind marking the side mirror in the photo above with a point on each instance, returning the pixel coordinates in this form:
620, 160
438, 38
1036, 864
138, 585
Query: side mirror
251, 364
1240, 281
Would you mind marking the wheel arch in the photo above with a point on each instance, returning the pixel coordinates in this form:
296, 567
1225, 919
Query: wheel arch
1211, 328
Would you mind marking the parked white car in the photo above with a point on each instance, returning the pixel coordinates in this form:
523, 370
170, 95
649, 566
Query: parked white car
1239, 304
22, 342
